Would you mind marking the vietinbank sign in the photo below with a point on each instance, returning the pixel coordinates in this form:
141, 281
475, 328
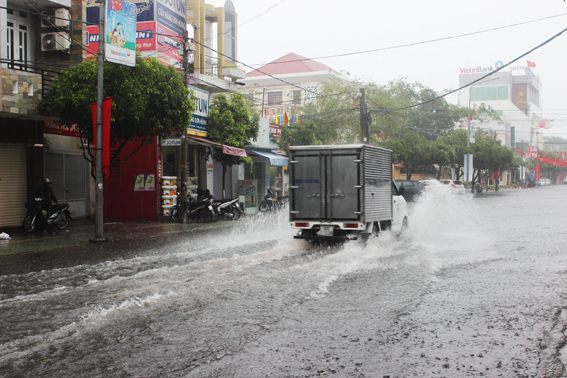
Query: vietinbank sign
481, 69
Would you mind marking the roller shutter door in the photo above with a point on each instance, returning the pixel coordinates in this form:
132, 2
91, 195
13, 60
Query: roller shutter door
13, 184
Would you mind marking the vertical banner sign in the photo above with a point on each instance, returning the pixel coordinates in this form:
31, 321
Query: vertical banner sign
198, 124
472, 135
120, 32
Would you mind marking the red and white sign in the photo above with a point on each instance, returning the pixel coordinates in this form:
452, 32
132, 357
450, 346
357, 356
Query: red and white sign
49, 127
275, 130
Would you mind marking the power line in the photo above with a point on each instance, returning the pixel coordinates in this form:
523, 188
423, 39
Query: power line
479, 79
417, 43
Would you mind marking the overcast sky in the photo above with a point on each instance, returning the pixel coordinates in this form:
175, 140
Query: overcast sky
269, 29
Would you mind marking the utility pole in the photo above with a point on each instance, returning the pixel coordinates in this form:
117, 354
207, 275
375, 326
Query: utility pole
364, 137
99, 190
184, 147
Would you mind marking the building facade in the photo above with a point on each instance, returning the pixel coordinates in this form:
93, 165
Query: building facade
37, 40
515, 96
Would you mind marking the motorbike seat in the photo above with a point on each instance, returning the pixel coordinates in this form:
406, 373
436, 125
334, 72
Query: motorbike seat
57, 207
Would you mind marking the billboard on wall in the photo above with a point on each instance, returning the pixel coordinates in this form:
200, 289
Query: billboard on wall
198, 124
151, 34
120, 37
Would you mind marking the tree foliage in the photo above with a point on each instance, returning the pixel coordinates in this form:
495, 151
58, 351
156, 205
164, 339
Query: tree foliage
230, 123
148, 100
298, 135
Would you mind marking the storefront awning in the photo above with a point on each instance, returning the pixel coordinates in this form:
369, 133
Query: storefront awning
225, 149
275, 159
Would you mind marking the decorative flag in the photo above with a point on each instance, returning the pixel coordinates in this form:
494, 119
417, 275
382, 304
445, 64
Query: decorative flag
265, 112
106, 107
276, 116
286, 119
531, 64
301, 121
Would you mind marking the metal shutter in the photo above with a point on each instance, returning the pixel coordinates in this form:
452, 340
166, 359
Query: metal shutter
13, 183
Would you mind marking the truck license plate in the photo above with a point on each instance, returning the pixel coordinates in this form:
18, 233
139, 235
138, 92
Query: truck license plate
326, 231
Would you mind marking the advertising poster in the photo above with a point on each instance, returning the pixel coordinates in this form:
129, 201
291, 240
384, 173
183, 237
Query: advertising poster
120, 46
247, 187
144, 182
198, 124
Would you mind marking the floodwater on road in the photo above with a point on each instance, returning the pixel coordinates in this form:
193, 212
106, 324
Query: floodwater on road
477, 286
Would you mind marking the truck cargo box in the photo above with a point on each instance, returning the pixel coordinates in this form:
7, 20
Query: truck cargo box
340, 183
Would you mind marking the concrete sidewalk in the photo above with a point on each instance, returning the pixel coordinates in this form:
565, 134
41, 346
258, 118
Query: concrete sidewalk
81, 231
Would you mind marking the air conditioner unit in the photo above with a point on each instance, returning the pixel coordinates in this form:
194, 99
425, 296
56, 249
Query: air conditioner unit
61, 19
55, 41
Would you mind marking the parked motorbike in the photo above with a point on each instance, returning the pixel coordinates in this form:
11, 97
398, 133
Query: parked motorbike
59, 216
227, 208
478, 187
272, 202
196, 210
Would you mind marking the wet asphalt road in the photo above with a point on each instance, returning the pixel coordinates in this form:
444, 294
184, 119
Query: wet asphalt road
476, 287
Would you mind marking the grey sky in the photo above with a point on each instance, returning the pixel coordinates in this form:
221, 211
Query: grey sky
317, 29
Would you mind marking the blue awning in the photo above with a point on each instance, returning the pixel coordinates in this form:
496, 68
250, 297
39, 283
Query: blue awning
275, 159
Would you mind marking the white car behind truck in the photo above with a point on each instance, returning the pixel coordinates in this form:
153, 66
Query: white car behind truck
344, 192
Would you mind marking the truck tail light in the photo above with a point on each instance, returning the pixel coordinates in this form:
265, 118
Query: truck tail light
351, 225
300, 224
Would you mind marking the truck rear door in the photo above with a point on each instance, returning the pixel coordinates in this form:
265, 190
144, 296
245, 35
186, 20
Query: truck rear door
325, 185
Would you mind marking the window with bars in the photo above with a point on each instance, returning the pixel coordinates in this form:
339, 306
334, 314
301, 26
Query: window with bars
296, 97
18, 36
274, 98
311, 93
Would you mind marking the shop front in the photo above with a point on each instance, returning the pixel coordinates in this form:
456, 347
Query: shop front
267, 170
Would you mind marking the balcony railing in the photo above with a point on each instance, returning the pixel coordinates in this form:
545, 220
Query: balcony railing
47, 74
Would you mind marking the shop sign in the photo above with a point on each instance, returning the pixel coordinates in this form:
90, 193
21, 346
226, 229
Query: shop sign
199, 116
171, 142
247, 187
275, 131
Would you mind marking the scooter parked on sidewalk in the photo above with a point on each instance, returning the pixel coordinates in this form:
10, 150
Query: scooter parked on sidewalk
227, 208
196, 211
272, 202
59, 216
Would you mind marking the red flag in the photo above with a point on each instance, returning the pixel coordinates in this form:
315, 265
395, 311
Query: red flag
285, 119
106, 107
531, 64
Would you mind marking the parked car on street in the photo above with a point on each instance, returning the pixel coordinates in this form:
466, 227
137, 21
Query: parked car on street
413, 189
430, 183
458, 185
543, 182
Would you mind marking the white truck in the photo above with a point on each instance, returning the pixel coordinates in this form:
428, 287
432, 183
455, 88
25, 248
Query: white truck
344, 192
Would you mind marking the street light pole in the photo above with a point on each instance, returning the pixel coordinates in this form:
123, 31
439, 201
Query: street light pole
469, 132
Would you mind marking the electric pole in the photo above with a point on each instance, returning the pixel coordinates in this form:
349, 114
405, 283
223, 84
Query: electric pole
99, 190
364, 137
184, 147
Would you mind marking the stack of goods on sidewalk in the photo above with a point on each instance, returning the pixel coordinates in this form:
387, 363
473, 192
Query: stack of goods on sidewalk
168, 194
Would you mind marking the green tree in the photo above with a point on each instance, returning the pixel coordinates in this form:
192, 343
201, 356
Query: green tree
440, 154
408, 148
229, 122
298, 135
148, 100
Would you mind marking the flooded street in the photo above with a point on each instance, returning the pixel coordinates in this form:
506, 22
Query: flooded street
475, 287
